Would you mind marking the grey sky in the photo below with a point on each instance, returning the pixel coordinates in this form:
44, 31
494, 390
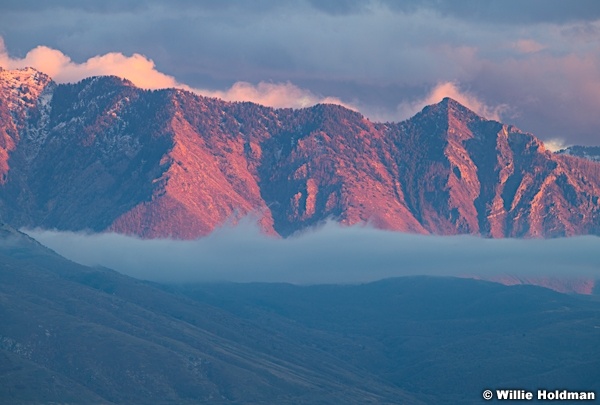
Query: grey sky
539, 60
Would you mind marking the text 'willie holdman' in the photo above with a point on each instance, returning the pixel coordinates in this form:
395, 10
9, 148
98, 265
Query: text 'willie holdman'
542, 395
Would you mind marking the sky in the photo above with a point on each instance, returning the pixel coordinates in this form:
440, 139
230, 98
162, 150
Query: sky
329, 254
534, 64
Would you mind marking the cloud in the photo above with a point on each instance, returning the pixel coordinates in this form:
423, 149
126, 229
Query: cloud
137, 68
330, 254
506, 12
510, 12
555, 144
142, 72
450, 89
556, 96
273, 95
528, 46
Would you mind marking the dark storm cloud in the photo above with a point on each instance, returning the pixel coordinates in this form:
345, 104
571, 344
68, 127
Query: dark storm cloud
340, 7
538, 60
332, 254
506, 11
118, 6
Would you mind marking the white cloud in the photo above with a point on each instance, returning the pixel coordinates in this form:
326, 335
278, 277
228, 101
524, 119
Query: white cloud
273, 95
555, 144
142, 72
137, 68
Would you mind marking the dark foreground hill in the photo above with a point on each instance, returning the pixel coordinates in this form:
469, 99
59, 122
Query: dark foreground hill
71, 334
76, 335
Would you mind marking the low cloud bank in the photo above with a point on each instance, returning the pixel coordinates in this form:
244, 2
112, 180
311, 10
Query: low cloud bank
330, 254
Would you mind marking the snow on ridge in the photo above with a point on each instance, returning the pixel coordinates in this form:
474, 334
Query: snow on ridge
23, 87
586, 152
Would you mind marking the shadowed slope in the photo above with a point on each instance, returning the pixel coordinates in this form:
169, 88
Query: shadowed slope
72, 334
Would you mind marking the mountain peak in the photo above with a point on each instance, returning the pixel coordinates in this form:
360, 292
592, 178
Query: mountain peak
106, 80
26, 82
454, 108
26, 74
450, 101
447, 113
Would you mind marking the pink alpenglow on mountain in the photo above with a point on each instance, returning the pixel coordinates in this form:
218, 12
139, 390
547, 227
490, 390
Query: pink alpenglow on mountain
103, 155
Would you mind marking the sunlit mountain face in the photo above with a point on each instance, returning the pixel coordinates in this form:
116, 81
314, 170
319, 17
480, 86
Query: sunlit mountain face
104, 155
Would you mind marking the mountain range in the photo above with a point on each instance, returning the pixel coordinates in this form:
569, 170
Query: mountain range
104, 155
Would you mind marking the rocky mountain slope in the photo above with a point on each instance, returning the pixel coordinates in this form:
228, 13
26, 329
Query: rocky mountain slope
102, 154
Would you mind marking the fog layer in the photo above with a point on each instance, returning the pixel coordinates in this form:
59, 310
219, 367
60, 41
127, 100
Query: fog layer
330, 254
